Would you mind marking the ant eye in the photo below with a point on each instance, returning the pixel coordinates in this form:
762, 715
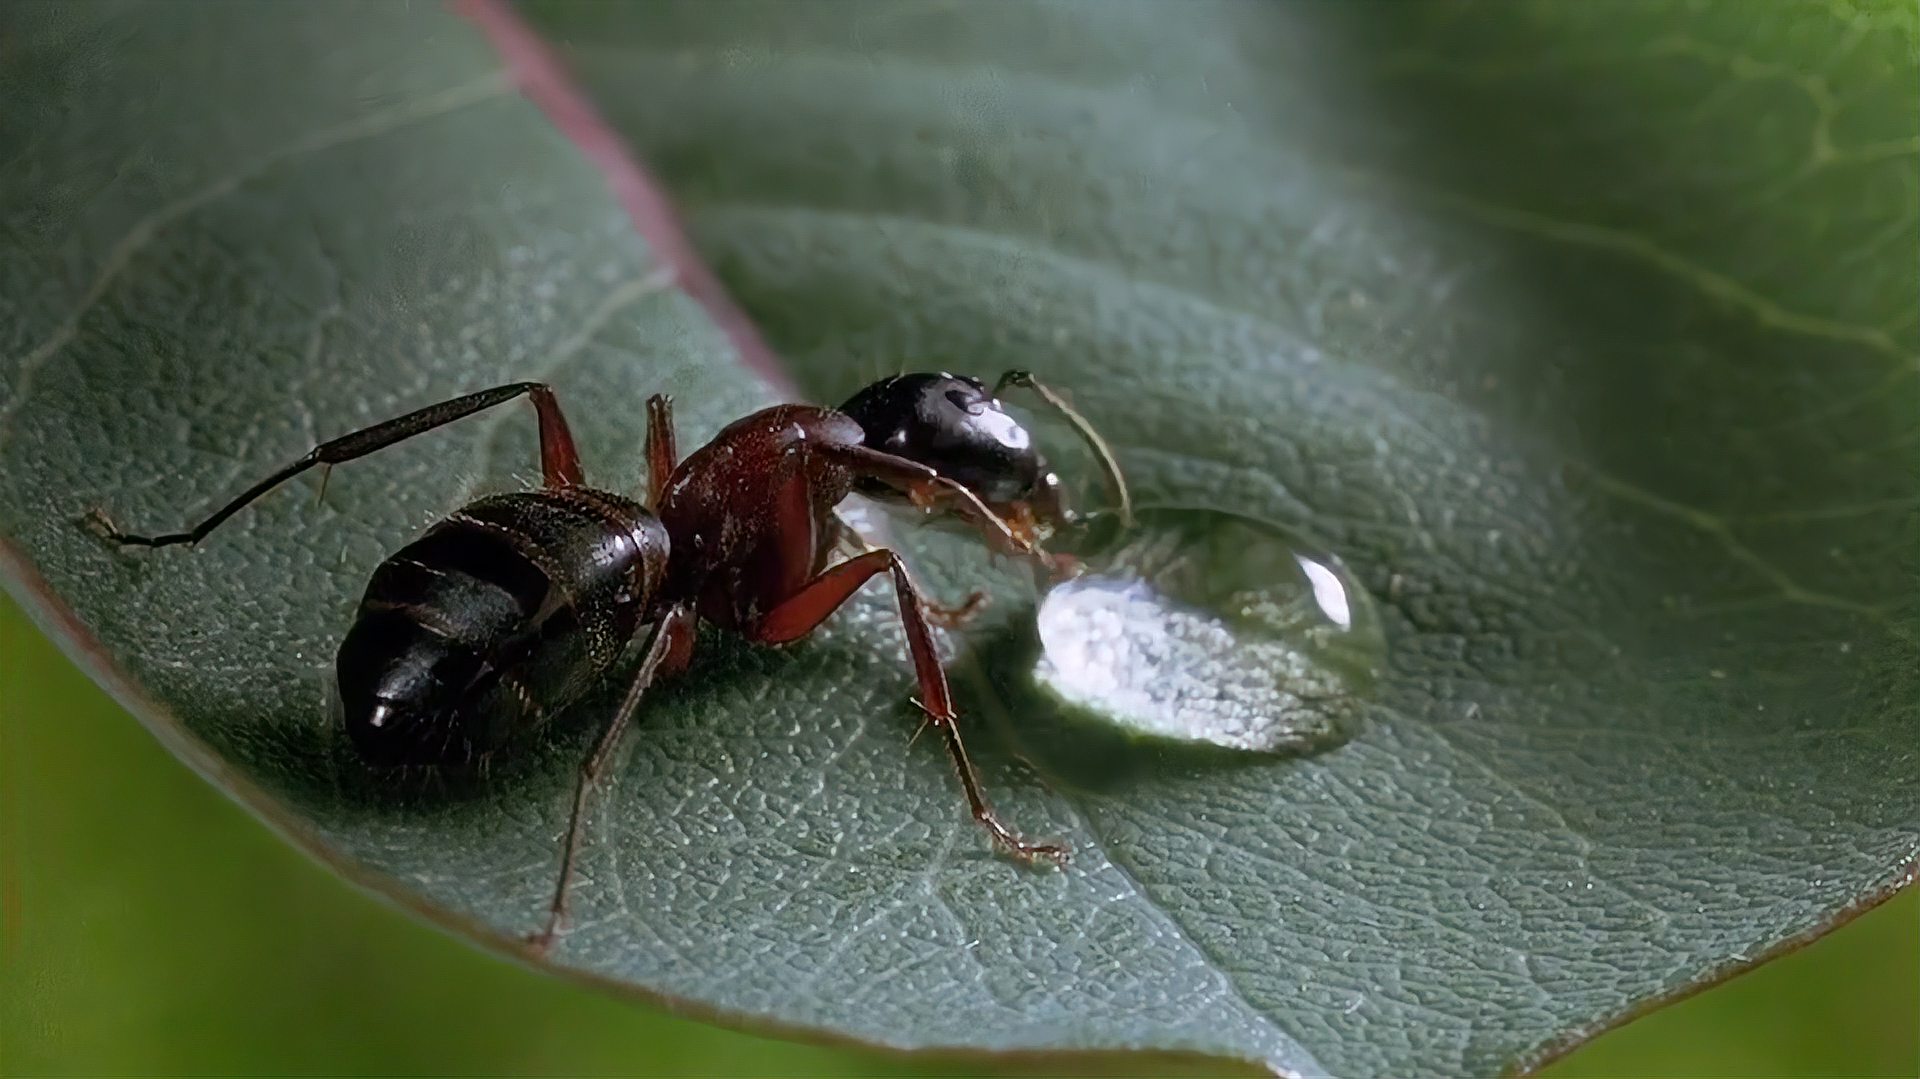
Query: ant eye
962, 400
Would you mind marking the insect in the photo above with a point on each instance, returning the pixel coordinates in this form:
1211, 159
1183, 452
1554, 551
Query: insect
510, 608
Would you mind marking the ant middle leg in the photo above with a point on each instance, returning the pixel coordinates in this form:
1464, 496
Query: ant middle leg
559, 461
799, 614
949, 617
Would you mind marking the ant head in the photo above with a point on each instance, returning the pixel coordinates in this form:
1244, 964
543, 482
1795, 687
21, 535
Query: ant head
955, 425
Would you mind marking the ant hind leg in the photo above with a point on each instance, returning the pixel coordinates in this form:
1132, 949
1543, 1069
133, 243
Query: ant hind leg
668, 649
559, 461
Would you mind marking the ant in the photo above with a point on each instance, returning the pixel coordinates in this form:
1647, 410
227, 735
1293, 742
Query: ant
514, 605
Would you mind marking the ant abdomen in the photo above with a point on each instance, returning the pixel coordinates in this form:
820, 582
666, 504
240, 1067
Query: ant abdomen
498, 616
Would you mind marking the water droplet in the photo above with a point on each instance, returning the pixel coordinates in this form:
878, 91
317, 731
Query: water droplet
1206, 627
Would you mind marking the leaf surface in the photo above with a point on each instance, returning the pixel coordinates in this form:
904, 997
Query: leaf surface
1585, 337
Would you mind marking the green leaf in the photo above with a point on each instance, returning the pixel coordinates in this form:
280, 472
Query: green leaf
1585, 335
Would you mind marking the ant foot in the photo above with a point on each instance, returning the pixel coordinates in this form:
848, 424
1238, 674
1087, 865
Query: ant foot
955, 617
97, 522
542, 941
1052, 855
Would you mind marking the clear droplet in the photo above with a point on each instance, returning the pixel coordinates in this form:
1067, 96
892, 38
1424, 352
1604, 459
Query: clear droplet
1210, 628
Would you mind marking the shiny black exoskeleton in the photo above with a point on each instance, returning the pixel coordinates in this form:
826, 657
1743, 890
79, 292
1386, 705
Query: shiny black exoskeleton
954, 424
957, 426
500, 615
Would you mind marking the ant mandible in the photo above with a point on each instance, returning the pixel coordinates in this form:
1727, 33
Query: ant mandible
511, 607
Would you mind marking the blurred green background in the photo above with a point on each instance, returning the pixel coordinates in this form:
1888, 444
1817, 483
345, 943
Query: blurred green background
151, 926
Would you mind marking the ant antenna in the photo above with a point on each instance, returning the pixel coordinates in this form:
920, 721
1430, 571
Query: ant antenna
1025, 380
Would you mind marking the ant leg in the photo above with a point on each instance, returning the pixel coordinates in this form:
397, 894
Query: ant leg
798, 615
940, 614
925, 486
662, 455
845, 535
958, 615
668, 649
559, 462
1025, 380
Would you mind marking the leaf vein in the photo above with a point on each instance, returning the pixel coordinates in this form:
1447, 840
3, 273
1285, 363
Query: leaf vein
121, 255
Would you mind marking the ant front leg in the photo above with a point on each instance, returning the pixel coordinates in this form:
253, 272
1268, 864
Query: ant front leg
927, 487
559, 461
799, 614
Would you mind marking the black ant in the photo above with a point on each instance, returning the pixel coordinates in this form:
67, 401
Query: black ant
512, 606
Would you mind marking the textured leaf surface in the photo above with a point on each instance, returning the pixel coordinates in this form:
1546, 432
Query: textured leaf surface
1585, 336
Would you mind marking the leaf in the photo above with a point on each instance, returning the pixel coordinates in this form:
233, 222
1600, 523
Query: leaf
1585, 336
